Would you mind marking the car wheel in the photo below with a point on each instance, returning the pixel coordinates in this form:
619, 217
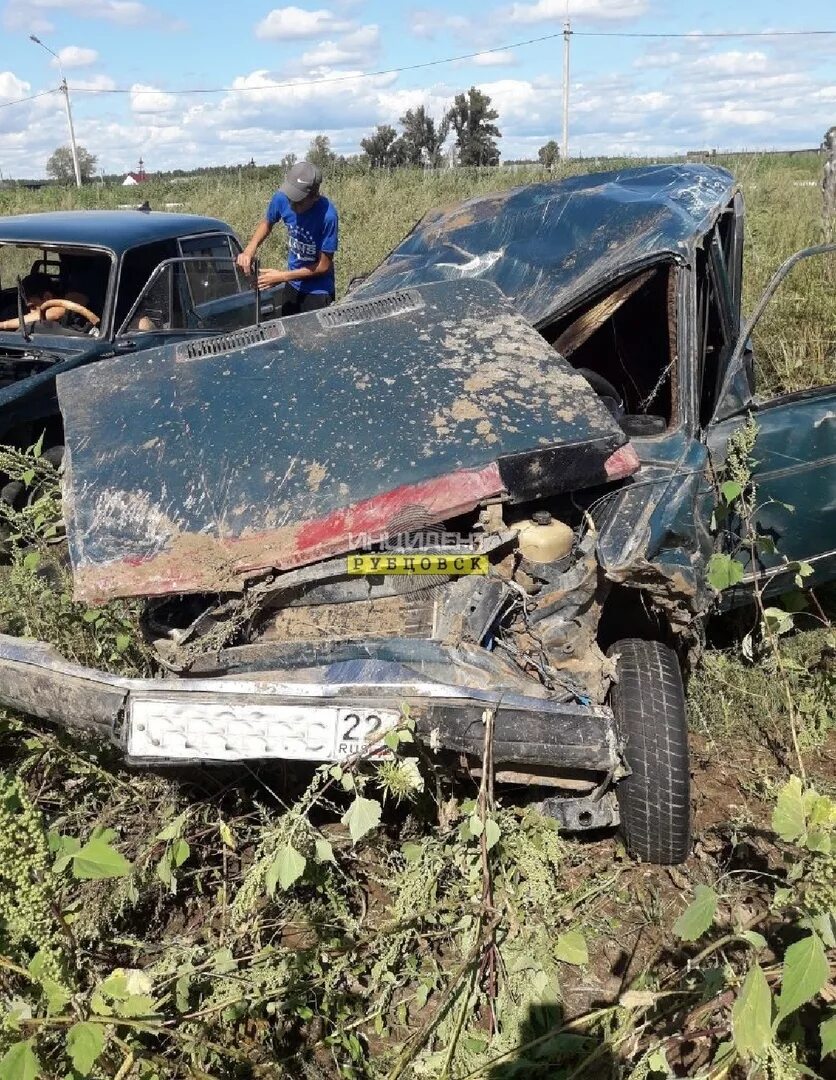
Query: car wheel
649, 706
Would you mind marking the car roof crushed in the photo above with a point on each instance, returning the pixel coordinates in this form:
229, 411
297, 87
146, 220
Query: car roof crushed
544, 245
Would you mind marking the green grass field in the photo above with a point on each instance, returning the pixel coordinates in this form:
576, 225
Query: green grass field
234, 924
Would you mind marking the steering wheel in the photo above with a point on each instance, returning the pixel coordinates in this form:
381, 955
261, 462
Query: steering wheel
69, 305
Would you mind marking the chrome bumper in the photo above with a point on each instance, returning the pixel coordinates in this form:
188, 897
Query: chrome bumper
241, 718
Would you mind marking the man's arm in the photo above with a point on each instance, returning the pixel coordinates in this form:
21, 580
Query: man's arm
266, 278
262, 231
32, 317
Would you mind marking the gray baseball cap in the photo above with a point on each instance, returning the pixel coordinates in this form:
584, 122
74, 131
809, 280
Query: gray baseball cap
301, 179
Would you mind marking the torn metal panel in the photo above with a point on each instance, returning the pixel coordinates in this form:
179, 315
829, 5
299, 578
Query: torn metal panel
654, 533
545, 244
193, 475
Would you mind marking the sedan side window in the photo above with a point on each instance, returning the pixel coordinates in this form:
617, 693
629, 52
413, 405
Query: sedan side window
137, 267
211, 270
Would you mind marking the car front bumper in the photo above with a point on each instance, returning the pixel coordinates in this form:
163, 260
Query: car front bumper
262, 715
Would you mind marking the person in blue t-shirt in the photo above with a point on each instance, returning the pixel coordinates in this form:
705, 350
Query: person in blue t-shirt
312, 229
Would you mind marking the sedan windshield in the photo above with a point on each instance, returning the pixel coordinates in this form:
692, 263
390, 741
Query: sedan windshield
62, 286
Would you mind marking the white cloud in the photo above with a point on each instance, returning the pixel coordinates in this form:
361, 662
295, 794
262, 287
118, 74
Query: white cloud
32, 15
426, 23
496, 58
75, 56
148, 99
94, 83
354, 49
294, 23
731, 63
11, 87
555, 10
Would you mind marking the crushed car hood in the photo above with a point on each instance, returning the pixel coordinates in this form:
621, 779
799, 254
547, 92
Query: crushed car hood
195, 466
544, 245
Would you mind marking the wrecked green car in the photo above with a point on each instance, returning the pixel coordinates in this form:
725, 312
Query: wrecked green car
480, 488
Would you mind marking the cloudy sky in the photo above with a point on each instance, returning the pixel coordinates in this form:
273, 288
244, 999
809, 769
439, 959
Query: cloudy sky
629, 94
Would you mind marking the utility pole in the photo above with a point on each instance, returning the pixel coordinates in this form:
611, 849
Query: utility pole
567, 33
65, 90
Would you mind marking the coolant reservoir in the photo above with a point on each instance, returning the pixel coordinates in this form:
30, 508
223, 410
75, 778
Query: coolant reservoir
542, 538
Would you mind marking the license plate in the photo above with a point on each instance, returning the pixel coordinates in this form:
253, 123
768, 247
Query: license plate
185, 729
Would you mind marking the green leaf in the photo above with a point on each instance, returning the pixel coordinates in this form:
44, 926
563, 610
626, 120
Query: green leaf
492, 833
57, 996
85, 1042
723, 572
756, 940
180, 851
571, 948
802, 570
794, 602
362, 816
392, 741
19, 1062
789, 819
752, 1015
324, 851
226, 835
287, 867
412, 852
658, 1062
136, 1005
173, 829
827, 1034
31, 561
98, 860
805, 973
731, 490
123, 641
475, 825
818, 841
777, 620
163, 870
698, 916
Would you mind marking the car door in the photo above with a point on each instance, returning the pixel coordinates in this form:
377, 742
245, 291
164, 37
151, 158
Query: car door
792, 464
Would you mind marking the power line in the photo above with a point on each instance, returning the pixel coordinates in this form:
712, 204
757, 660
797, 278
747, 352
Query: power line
699, 36
331, 79
452, 60
32, 97
327, 79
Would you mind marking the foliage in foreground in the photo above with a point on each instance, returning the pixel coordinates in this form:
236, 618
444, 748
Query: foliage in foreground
226, 932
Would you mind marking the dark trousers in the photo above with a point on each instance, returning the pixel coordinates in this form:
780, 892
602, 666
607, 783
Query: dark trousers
293, 301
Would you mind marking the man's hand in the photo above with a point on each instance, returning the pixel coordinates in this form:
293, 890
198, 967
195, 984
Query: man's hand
245, 261
266, 278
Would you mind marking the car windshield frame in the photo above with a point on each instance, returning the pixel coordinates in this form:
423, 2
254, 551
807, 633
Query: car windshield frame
104, 327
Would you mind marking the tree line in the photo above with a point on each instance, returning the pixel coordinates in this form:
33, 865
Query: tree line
422, 138
420, 142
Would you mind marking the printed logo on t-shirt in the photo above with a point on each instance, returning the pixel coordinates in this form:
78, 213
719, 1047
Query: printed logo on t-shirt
301, 243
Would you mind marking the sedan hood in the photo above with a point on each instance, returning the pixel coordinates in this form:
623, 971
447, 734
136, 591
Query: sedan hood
198, 465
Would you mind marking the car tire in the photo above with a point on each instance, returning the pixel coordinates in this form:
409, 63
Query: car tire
648, 701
